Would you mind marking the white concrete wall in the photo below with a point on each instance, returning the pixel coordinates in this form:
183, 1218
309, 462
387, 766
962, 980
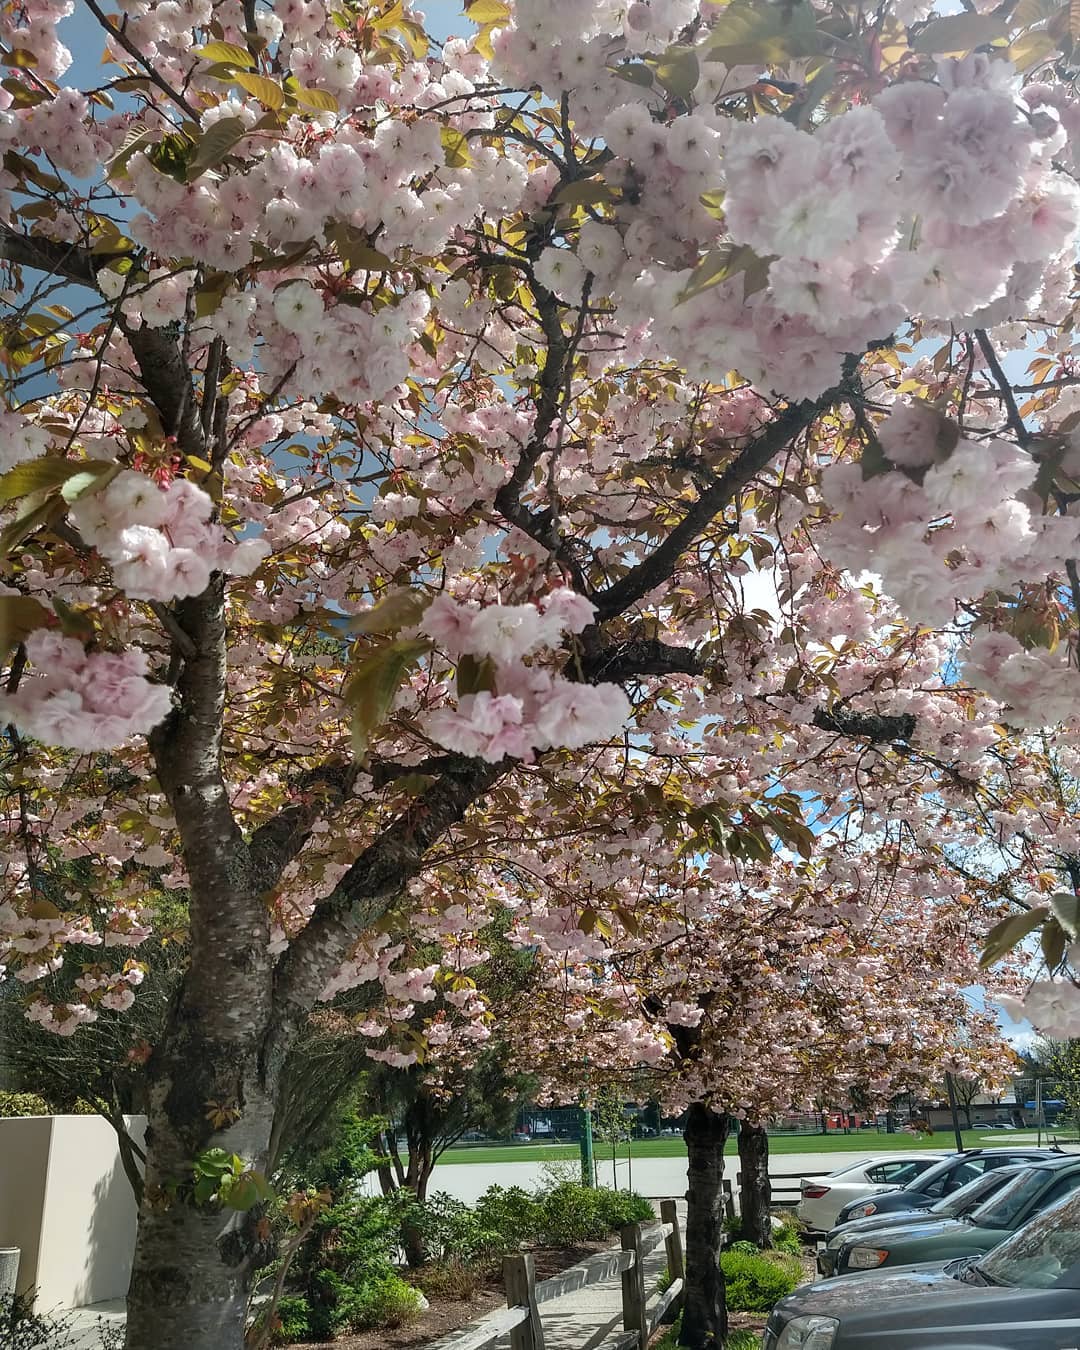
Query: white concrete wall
66, 1201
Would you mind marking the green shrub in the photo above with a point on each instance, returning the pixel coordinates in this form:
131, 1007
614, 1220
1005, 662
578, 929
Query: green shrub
756, 1280
341, 1270
386, 1301
571, 1213
737, 1340
13, 1104
293, 1319
510, 1211
448, 1227
786, 1234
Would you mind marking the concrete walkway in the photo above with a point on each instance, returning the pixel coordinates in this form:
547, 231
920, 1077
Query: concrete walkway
581, 1320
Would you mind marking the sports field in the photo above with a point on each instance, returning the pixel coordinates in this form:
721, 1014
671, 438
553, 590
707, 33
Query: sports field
858, 1141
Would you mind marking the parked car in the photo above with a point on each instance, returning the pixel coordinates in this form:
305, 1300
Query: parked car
822, 1198
1031, 1191
1024, 1295
955, 1206
1000, 1125
942, 1179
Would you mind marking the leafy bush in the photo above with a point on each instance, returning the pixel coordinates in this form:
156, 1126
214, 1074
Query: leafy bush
448, 1227
737, 1340
786, 1234
14, 1104
293, 1319
571, 1213
511, 1212
343, 1269
385, 1301
756, 1280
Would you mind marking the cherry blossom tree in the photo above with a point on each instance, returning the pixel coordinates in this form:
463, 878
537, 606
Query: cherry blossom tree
601, 429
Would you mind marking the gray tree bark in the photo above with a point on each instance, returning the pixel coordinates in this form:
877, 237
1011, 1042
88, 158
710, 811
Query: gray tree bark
704, 1319
755, 1190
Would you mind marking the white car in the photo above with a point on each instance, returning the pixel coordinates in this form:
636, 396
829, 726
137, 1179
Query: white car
823, 1197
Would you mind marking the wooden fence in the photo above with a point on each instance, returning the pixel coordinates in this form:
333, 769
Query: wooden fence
525, 1296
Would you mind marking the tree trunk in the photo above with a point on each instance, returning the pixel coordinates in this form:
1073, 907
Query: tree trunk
755, 1191
704, 1320
194, 1261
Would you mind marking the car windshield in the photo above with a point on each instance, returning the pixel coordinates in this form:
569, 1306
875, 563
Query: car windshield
1002, 1210
1041, 1252
973, 1194
925, 1180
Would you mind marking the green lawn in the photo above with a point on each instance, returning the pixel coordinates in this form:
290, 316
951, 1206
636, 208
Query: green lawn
861, 1141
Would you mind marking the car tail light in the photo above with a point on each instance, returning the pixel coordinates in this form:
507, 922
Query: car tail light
815, 1192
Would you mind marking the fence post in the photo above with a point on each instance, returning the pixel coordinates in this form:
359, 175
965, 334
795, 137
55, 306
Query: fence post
633, 1286
519, 1277
676, 1266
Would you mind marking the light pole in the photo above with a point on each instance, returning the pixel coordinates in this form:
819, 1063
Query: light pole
955, 1117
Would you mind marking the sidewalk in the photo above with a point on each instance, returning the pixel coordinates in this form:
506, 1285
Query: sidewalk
580, 1321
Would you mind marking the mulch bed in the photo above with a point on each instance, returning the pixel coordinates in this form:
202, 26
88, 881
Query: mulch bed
448, 1314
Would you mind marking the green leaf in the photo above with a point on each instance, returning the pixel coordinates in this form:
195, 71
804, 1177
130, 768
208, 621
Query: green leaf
373, 685
487, 11
475, 677
138, 137
205, 1189
95, 476
171, 156
1053, 942
1065, 907
456, 146
396, 610
765, 32
1032, 48
19, 616
38, 475
269, 94
72, 621
215, 145
1004, 936
240, 1193
727, 261
958, 33
318, 99
355, 251
635, 73
228, 52
678, 71
585, 192
27, 521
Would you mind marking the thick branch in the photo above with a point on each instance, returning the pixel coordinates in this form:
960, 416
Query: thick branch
167, 379
872, 727
375, 880
273, 845
49, 255
660, 564
617, 662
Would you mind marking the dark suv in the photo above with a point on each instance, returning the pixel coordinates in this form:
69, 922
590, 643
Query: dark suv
1024, 1295
940, 1180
